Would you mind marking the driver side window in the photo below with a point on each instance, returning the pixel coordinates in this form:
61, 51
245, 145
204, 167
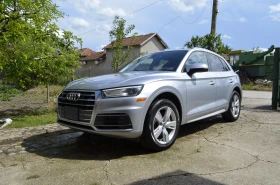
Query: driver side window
196, 57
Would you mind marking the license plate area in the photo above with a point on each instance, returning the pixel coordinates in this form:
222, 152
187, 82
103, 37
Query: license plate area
71, 113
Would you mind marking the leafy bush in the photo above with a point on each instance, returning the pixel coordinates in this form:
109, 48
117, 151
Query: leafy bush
7, 91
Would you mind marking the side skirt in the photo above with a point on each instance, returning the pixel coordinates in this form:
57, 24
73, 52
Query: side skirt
207, 116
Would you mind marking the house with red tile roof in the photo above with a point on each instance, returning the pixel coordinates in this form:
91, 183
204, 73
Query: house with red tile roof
99, 63
141, 40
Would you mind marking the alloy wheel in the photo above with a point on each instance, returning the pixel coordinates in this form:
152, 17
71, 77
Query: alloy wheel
164, 125
235, 105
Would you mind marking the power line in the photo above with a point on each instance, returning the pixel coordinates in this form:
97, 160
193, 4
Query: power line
188, 23
168, 23
145, 7
124, 16
94, 29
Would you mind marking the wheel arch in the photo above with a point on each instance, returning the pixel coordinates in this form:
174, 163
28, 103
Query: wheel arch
169, 91
173, 98
238, 89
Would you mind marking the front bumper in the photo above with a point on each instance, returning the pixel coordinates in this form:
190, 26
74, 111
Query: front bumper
116, 117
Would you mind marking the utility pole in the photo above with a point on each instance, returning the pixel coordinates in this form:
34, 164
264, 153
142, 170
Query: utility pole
214, 16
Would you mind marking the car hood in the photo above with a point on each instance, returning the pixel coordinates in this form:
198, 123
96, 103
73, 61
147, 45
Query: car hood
120, 80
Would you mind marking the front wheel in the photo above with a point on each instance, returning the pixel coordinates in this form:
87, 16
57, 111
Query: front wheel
161, 126
233, 112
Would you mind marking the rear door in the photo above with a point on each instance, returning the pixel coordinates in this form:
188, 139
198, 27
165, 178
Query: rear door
224, 80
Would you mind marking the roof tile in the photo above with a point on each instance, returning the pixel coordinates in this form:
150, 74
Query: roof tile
95, 56
86, 52
138, 40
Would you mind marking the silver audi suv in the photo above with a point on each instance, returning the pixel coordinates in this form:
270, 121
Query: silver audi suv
151, 97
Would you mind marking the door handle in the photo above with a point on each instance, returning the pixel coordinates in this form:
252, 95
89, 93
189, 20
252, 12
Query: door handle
230, 81
212, 83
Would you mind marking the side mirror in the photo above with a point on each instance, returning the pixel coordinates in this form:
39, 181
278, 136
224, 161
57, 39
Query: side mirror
196, 68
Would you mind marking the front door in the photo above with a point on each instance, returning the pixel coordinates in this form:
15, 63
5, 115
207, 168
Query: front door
201, 89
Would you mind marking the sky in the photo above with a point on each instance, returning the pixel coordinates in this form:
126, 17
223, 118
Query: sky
242, 24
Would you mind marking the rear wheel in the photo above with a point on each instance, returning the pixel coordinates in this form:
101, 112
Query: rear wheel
161, 126
233, 112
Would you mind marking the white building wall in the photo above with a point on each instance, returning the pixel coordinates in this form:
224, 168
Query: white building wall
151, 46
93, 68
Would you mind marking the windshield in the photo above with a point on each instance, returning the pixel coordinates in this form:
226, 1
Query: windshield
161, 61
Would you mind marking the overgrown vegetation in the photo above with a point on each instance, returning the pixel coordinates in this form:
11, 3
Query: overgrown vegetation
7, 92
33, 50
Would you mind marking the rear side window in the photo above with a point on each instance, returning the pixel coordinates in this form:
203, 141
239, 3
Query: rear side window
215, 63
225, 65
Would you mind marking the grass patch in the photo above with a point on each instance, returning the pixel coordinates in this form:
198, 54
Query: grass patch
256, 87
7, 91
34, 120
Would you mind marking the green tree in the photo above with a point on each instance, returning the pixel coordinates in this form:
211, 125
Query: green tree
225, 49
118, 33
31, 50
210, 41
257, 50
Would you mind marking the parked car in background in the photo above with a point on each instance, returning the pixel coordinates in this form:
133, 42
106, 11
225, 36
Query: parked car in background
153, 96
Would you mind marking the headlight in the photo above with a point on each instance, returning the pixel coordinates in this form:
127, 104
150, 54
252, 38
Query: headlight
122, 91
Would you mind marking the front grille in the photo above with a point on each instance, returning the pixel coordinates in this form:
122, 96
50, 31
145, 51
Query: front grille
76, 109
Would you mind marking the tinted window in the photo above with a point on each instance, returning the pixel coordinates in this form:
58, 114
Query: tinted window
215, 63
161, 61
226, 68
196, 57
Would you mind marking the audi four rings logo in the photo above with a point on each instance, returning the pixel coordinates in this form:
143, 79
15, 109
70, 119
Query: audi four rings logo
73, 96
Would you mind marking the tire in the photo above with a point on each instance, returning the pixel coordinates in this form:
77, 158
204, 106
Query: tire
160, 133
233, 112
